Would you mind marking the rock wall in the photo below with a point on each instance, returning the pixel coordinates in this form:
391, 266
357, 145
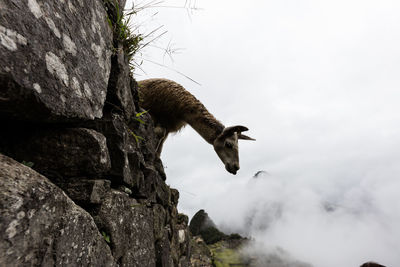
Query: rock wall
78, 187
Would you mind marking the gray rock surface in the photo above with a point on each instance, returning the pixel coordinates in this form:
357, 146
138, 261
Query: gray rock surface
126, 160
86, 192
69, 111
133, 161
130, 227
41, 226
55, 59
200, 254
119, 86
67, 152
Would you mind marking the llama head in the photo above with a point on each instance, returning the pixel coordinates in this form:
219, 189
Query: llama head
227, 148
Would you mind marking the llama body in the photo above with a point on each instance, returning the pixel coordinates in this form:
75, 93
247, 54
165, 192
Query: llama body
172, 107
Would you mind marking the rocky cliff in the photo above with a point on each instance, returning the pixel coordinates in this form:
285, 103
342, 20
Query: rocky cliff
80, 184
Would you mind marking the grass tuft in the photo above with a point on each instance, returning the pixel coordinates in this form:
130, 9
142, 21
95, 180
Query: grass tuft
119, 22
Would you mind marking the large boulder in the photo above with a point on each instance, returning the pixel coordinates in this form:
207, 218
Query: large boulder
60, 152
55, 59
129, 226
41, 226
86, 193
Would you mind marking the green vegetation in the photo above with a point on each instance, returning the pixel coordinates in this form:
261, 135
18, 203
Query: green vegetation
138, 115
235, 236
119, 22
201, 224
106, 237
225, 257
28, 163
126, 35
212, 235
138, 138
138, 119
198, 221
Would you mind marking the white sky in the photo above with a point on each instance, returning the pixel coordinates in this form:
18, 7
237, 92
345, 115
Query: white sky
318, 85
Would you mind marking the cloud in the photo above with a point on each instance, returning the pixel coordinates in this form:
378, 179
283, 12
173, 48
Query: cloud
336, 227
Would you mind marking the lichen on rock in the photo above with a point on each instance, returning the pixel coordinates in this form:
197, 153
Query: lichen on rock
79, 188
41, 43
40, 225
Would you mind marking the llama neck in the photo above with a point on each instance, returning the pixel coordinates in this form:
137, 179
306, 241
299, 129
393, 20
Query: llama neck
206, 125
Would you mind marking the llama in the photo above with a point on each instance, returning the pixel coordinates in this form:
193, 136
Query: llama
172, 107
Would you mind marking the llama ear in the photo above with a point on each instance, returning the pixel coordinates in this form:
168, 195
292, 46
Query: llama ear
245, 137
233, 129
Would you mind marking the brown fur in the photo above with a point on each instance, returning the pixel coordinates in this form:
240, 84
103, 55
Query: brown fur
172, 107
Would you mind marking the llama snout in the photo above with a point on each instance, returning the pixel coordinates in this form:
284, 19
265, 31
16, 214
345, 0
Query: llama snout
232, 167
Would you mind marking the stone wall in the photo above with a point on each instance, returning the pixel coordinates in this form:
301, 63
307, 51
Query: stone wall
77, 188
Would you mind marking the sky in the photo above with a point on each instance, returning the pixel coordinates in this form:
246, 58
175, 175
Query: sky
318, 85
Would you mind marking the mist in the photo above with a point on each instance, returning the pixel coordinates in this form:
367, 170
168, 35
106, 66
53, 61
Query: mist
317, 83
336, 227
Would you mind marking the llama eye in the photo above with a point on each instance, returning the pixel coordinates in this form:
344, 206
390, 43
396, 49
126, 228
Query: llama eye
228, 145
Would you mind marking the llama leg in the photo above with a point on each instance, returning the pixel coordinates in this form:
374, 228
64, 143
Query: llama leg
161, 134
160, 145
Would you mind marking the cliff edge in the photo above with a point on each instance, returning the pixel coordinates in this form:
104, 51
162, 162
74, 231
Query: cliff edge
79, 180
